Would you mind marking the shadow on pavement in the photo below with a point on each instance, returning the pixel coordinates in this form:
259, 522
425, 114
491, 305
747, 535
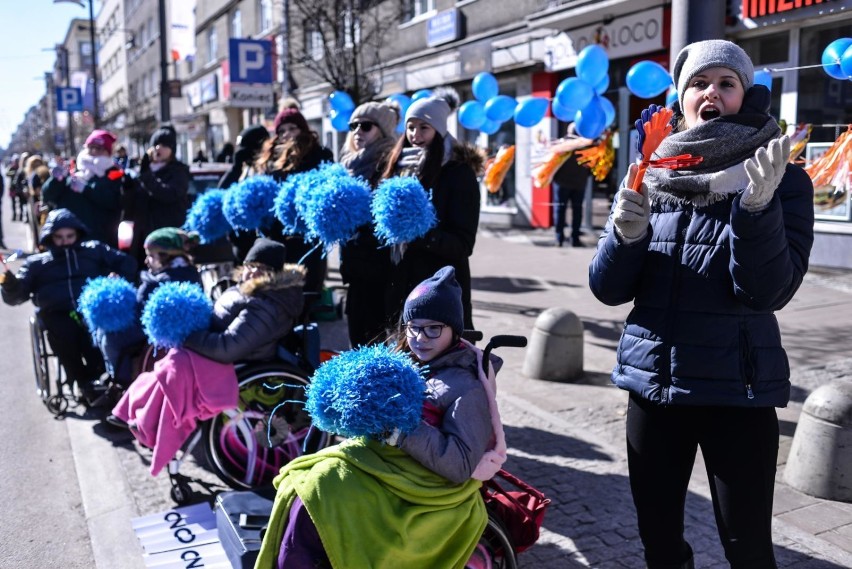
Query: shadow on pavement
515, 284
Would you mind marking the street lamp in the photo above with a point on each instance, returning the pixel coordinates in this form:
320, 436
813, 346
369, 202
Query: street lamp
96, 115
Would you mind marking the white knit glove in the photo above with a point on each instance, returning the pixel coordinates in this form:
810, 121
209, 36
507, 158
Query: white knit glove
393, 438
764, 172
631, 214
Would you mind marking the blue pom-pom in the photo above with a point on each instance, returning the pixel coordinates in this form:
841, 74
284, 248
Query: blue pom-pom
206, 217
335, 208
369, 391
248, 204
108, 304
174, 311
284, 206
402, 210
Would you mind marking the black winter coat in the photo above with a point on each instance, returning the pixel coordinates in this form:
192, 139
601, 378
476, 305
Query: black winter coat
54, 279
251, 318
164, 200
148, 281
456, 198
98, 206
705, 284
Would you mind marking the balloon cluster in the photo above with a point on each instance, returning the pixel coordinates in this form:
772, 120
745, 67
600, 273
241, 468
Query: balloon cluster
837, 59
578, 99
491, 109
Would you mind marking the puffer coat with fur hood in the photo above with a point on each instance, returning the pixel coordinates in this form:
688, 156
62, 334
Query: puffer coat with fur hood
250, 318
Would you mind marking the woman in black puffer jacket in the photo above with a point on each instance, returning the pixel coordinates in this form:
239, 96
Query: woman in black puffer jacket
250, 318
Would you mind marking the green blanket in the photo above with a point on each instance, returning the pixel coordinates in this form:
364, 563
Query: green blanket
376, 507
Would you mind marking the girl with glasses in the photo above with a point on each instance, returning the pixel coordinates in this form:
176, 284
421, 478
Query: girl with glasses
364, 267
449, 170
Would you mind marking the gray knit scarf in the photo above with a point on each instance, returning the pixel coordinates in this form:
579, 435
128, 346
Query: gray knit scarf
725, 143
364, 162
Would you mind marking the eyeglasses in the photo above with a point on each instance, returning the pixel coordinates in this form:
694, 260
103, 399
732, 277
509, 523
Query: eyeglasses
365, 126
431, 331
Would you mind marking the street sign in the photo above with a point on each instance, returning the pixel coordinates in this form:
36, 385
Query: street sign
250, 61
251, 96
69, 99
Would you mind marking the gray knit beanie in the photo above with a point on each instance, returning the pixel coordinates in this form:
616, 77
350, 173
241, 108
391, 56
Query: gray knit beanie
698, 56
432, 110
385, 116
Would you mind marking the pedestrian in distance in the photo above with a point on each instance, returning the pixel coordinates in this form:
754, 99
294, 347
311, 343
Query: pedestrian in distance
54, 279
226, 155
449, 170
92, 192
707, 254
364, 266
569, 188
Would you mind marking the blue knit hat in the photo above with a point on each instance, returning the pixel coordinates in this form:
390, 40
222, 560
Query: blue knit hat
437, 298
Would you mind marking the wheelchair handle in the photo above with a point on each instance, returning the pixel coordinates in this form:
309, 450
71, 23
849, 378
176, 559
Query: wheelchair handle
472, 335
501, 341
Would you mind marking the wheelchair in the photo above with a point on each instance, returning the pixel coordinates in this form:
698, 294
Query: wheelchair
54, 392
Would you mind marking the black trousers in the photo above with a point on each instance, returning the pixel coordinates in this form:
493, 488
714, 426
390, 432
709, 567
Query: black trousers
740, 449
73, 345
562, 196
365, 313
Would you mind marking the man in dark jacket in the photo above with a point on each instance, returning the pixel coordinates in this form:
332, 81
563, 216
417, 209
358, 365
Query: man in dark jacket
569, 186
250, 318
54, 280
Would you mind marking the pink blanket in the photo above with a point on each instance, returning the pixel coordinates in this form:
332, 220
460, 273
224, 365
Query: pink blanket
163, 406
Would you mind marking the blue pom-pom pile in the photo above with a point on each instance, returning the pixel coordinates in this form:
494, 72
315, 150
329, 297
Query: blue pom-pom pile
248, 204
366, 392
108, 304
335, 207
284, 206
174, 311
206, 216
402, 210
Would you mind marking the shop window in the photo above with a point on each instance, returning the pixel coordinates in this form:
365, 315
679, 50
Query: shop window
764, 50
823, 100
412, 9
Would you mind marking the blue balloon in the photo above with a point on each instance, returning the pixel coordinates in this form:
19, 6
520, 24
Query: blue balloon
531, 111
404, 101
560, 112
846, 62
490, 126
485, 87
592, 64
341, 101
648, 79
340, 120
608, 109
601, 87
472, 115
500, 108
833, 55
421, 94
671, 98
763, 78
574, 93
589, 121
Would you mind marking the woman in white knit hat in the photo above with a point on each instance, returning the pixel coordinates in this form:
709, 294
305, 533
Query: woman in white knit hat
707, 254
449, 169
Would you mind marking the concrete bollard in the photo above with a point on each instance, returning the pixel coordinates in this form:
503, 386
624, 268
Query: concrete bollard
555, 351
820, 460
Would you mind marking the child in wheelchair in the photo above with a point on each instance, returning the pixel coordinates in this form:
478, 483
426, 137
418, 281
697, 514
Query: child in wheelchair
168, 259
251, 317
459, 438
53, 281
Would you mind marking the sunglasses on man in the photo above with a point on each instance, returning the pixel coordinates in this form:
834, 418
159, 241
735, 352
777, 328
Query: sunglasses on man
365, 126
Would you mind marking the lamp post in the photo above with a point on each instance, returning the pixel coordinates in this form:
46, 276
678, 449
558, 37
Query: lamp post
96, 116
165, 98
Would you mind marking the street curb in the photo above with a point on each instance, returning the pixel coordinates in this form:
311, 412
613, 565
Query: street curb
106, 498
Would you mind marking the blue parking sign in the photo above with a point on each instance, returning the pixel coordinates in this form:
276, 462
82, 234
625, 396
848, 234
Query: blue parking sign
250, 61
69, 99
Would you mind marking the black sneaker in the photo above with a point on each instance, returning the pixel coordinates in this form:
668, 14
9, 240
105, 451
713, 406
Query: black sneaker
116, 422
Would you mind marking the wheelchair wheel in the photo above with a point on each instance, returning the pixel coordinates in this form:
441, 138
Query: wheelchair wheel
41, 369
494, 550
246, 447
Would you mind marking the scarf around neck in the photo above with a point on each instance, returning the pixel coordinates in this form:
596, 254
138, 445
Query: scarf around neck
725, 143
364, 163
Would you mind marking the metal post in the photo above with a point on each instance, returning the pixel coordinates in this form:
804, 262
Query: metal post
165, 105
96, 115
695, 20
66, 72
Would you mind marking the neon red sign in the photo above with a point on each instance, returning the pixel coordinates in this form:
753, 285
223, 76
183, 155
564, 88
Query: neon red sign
757, 8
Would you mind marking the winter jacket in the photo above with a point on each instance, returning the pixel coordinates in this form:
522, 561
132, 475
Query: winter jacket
164, 196
54, 279
249, 319
98, 206
464, 431
705, 283
456, 197
148, 281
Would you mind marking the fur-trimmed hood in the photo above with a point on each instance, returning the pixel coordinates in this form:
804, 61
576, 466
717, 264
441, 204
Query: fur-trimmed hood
288, 277
469, 154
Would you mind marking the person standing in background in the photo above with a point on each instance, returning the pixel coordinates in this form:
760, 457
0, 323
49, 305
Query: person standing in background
569, 186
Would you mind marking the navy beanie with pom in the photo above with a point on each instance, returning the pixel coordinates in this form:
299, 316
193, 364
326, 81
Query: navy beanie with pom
268, 252
437, 298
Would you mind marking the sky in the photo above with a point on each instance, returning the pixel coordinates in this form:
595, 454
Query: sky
30, 30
